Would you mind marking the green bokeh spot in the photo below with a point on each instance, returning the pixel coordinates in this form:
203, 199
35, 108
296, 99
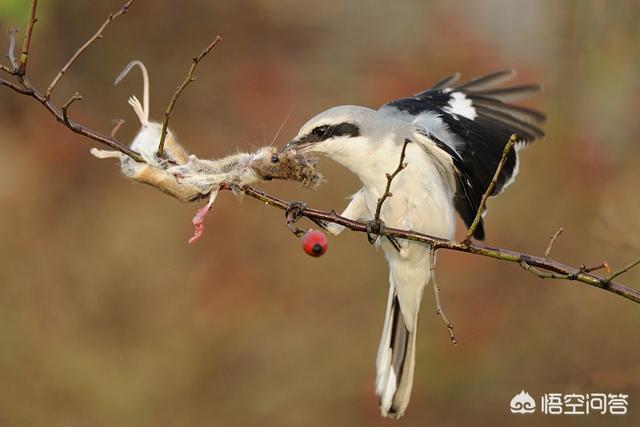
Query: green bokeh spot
15, 12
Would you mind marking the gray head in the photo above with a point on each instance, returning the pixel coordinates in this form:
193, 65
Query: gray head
338, 129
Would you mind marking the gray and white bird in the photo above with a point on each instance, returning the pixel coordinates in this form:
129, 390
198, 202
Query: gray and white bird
457, 134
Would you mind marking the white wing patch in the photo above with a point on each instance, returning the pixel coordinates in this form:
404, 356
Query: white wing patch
459, 105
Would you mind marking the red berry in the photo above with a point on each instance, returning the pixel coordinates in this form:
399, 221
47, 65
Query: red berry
314, 243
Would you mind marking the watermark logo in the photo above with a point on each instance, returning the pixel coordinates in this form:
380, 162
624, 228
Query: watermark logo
571, 403
522, 403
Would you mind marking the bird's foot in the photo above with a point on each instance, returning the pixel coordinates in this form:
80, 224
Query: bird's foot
292, 214
374, 227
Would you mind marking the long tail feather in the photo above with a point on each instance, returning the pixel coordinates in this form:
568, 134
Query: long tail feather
396, 360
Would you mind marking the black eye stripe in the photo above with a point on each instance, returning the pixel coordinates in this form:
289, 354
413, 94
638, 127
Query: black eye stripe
324, 132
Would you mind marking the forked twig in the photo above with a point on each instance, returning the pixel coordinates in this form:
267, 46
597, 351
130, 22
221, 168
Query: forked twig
24, 87
489, 190
65, 108
190, 77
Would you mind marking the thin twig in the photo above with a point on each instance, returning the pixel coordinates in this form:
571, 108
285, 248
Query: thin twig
556, 269
376, 225
624, 269
15, 86
65, 115
552, 241
604, 265
190, 77
492, 184
25, 88
387, 193
436, 293
26, 43
84, 47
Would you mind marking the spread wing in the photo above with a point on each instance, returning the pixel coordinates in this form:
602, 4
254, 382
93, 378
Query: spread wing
472, 122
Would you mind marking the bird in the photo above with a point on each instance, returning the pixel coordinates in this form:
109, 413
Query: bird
454, 135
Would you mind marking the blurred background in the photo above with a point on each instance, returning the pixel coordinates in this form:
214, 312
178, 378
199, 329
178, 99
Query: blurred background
109, 318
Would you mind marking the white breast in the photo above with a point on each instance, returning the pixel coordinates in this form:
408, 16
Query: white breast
422, 195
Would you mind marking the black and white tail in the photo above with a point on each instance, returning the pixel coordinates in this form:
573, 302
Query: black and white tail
396, 359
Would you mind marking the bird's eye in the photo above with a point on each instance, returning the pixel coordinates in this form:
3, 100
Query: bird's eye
320, 131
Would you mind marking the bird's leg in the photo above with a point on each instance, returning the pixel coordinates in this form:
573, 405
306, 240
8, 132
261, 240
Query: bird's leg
292, 214
436, 293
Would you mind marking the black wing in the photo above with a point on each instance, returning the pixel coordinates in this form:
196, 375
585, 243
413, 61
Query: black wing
474, 121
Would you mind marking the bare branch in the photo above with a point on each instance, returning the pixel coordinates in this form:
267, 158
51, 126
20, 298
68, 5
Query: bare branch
390, 177
24, 87
75, 127
541, 266
436, 293
190, 77
552, 241
552, 269
84, 47
15, 86
24, 56
492, 184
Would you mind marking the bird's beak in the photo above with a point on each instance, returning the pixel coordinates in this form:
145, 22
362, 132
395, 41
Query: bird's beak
291, 145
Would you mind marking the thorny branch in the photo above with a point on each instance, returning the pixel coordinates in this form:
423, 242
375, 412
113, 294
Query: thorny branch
190, 77
557, 269
24, 87
541, 266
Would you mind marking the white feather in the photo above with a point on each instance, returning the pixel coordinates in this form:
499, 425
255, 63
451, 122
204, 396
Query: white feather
459, 105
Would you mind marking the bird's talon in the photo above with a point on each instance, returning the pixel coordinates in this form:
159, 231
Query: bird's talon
292, 214
374, 227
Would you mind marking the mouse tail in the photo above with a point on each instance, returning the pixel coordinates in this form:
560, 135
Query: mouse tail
142, 110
